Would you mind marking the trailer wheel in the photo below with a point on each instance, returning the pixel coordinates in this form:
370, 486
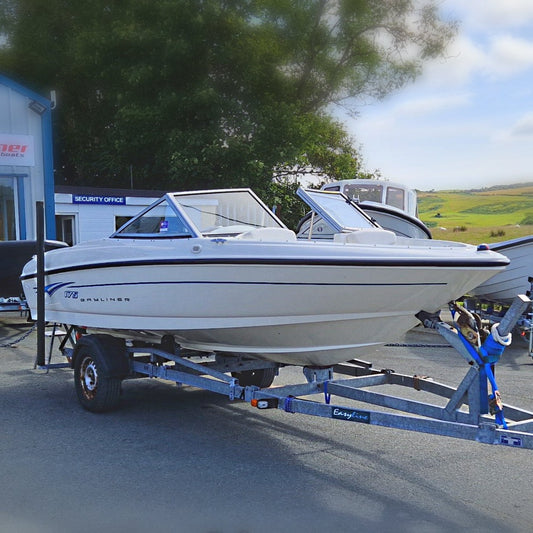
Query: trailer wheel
261, 378
97, 391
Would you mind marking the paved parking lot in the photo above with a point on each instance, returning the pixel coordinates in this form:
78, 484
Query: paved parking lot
181, 459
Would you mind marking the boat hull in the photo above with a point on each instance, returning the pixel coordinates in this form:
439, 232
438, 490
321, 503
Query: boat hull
316, 304
503, 287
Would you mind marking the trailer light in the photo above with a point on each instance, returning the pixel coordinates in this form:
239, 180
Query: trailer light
264, 404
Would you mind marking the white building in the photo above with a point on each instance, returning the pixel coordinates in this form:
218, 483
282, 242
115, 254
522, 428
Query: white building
87, 213
26, 165
72, 214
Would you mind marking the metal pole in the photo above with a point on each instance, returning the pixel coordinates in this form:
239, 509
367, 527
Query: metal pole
40, 361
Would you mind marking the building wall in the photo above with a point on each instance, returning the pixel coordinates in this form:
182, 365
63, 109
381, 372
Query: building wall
25, 122
95, 210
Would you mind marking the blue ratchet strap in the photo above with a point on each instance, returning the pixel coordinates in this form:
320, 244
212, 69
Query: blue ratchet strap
498, 411
490, 353
491, 350
287, 404
327, 395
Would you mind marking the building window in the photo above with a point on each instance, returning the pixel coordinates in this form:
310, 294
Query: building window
120, 221
8, 230
65, 229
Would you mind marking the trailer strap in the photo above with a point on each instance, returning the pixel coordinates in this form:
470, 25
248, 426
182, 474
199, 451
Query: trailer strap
495, 398
327, 395
287, 404
485, 357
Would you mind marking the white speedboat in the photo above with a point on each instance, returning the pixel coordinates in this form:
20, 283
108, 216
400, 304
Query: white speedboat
392, 205
220, 272
515, 279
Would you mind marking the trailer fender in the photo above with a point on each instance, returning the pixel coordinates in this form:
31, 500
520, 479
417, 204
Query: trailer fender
112, 350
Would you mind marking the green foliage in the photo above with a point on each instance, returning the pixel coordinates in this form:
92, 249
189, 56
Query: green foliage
528, 219
506, 207
487, 215
282, 195
181, 94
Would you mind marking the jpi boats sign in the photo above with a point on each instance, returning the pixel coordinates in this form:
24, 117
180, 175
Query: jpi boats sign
17, 150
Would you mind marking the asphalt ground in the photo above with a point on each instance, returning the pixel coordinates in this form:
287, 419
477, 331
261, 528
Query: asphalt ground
183, 459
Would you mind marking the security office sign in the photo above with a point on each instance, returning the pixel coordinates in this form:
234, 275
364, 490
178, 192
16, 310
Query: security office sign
98, 200
17, 150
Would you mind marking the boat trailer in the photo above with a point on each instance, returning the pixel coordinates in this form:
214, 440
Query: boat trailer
472, 411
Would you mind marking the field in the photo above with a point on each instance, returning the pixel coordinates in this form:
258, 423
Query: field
478, 216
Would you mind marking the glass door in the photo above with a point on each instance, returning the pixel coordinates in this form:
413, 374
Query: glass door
65, 229
8, 226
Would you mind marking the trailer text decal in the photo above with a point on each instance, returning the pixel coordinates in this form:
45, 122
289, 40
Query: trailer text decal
353, 415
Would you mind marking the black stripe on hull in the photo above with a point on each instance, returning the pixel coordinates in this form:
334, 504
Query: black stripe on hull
349, 262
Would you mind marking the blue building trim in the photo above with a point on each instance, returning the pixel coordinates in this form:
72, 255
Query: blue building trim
48, 162
24, 91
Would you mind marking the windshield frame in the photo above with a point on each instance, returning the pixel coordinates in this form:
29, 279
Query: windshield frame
248, 201
312, 198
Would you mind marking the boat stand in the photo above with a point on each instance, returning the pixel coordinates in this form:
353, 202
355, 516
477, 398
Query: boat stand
472, 411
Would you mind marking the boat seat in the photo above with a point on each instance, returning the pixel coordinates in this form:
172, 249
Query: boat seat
366, 236
268, 235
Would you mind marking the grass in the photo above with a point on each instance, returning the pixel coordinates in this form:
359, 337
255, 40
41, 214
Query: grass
478, 216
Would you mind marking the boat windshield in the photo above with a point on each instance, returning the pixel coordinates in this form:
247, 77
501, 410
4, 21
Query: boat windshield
336, 209
226, 212
159, 220
192, 214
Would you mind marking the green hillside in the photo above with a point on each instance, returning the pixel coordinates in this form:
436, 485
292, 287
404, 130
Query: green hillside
484, 215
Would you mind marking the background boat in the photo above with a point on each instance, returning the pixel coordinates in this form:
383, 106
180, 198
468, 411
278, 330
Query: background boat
514, 280
392, 205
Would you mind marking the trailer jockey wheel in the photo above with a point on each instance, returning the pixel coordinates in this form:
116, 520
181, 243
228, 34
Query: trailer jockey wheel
96, 389
261, 378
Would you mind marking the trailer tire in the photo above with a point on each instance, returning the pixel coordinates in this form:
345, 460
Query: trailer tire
97, 388
261, 378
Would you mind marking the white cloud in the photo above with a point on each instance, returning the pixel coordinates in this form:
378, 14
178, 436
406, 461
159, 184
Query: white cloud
523, 127
500, 57
431, 104
509, 55
490, 14
462, 58
468, 120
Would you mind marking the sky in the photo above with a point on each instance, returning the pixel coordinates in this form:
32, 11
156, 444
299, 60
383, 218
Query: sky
467, 121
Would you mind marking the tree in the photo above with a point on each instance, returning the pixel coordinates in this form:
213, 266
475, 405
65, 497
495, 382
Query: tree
188, 93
